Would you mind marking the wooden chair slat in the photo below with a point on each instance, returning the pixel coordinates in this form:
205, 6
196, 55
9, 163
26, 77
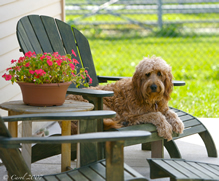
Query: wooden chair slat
192, 170
180, 113
180, 168
216, 167
212, 170
86, 57
90, 174
169, 168
100, 168
64, 177
68, 39
23, 37
186, 117
190, 123
191, 131
41, 34
53, 34
77, 176
50, 178
195, 169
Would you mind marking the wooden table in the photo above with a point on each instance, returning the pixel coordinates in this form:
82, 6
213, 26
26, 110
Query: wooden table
18, 107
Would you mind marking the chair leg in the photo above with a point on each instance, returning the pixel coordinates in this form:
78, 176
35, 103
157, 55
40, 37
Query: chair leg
209, 143
172, 149
146, 146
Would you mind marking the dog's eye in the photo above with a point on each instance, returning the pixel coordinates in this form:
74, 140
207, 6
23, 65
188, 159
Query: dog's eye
159, 73
148, 74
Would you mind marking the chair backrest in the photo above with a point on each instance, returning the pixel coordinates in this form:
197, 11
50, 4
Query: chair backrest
46, 34
12, 157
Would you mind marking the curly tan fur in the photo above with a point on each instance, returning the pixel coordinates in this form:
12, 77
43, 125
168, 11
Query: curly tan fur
143, 98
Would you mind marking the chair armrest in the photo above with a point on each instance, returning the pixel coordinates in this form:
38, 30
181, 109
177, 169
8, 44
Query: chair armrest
178, 83
90, 92
62, 116
103, 79
80, 138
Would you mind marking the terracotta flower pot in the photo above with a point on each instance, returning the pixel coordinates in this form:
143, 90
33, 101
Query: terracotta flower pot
44, 94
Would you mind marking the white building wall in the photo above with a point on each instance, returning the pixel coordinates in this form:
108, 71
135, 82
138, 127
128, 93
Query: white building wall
10, 12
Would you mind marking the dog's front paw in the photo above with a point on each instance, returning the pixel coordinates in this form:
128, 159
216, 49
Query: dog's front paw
178, 125
164, 129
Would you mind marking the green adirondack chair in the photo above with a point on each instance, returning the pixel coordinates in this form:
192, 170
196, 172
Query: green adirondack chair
46, 34
112, 168
182, 170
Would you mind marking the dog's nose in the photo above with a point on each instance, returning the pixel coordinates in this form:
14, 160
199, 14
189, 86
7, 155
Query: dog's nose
154, 87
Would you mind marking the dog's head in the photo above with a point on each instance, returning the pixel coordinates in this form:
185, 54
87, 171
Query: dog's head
152, 80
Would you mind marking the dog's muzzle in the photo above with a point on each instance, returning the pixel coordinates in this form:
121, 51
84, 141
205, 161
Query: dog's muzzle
153, 88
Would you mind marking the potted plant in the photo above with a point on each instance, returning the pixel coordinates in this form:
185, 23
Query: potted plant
41, 75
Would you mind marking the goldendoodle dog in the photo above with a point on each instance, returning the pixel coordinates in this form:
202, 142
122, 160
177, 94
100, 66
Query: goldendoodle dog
143, 99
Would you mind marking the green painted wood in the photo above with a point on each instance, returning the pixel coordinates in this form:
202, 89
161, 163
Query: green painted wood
114, 160
86, 57
42, 151
212, 172
90, 174
168, 168
61, 116
82, 138
68, 40
193, 122
191, 170
90, 92
209, 143
100, 168
172, 149
88, 150
30, 34
191, 131
64, 177
12, 157
195, 169
50, 178
22, 36
185, 170
41, 34
77, 176
53, 34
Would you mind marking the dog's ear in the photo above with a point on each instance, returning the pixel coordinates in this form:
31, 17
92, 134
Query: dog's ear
168, 85
136, 83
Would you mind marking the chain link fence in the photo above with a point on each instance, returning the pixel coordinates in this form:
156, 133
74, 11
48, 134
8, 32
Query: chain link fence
121, 32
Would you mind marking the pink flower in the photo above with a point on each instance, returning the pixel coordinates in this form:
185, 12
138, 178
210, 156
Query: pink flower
91, 80
17, 68
82, 77
72, 66
49, 62
27, 64
48, 57
7, 77
9, 68
55, 53
59, 61
42, 57
40, 72
75, 61
21, 59
73, 52
31, 71
12, 61
4, 75
29, 54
